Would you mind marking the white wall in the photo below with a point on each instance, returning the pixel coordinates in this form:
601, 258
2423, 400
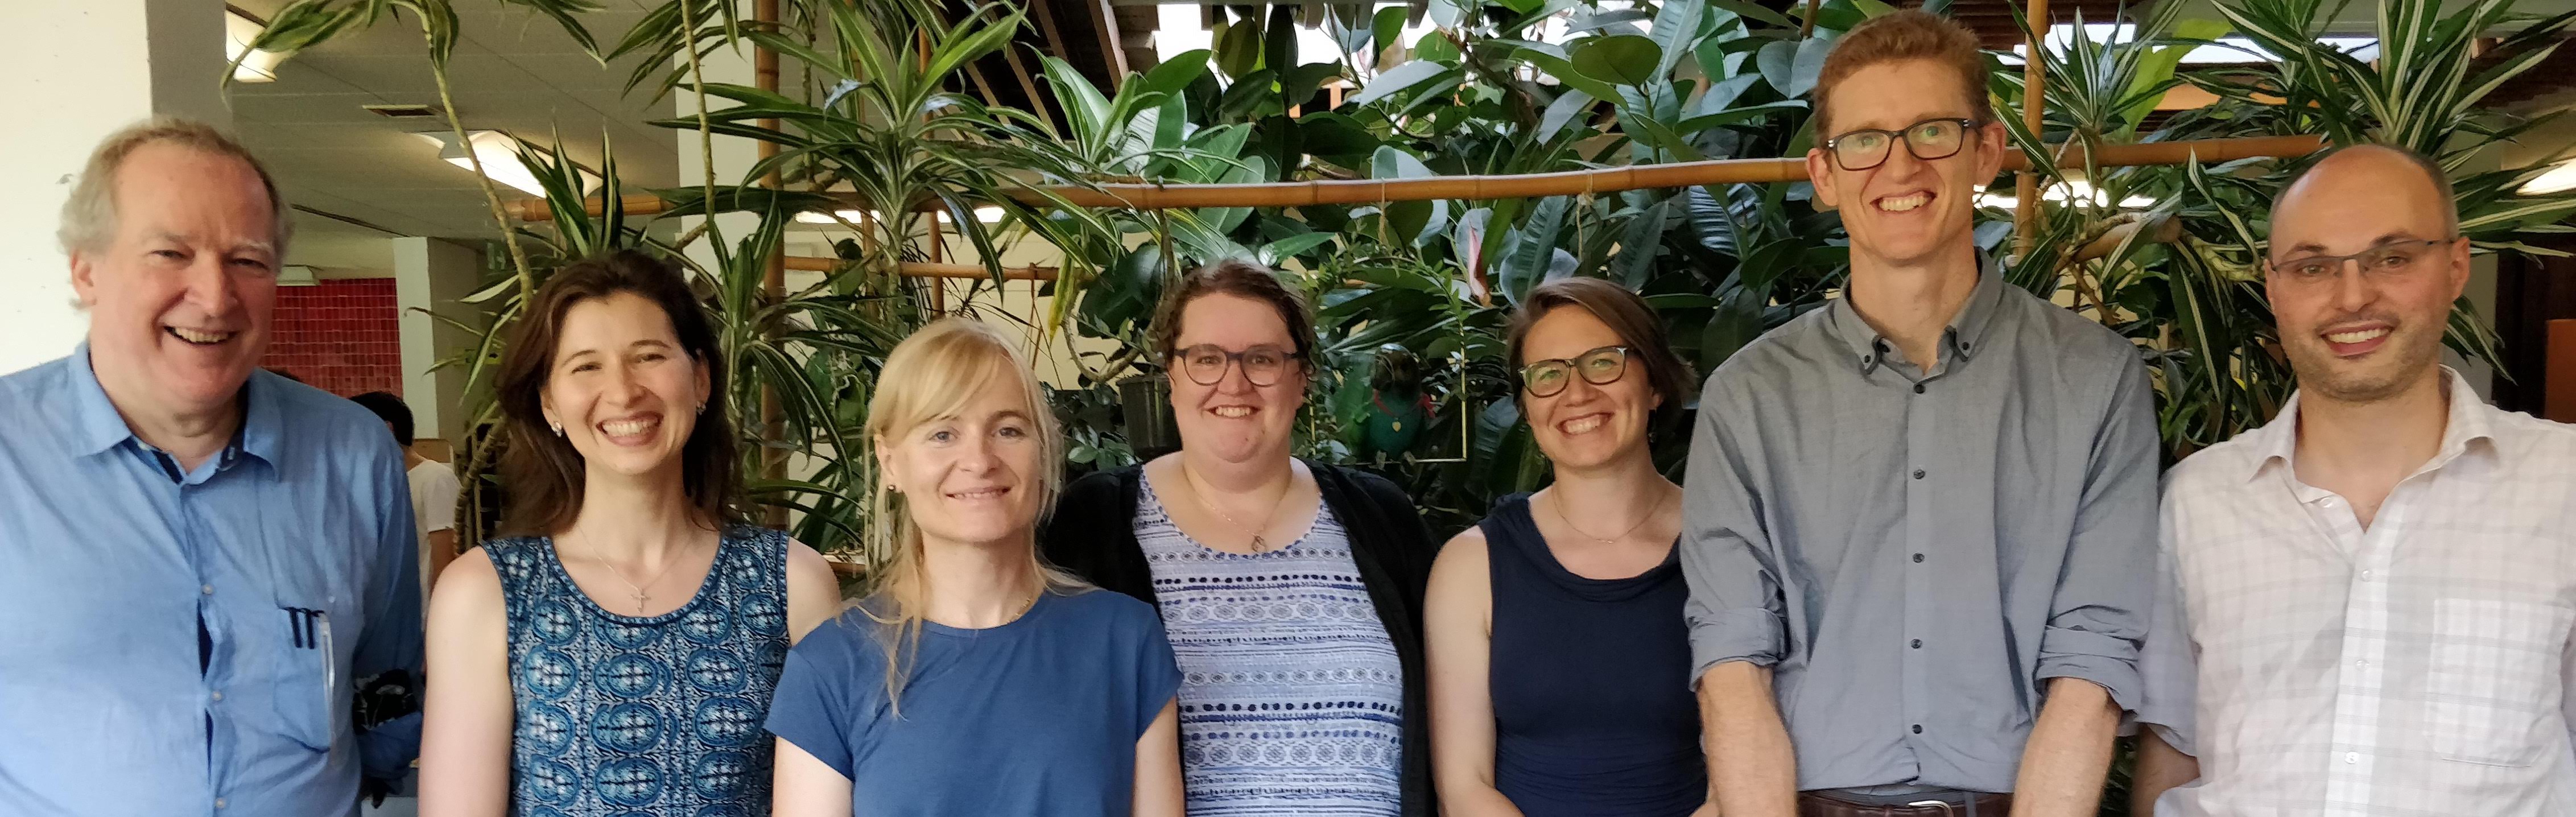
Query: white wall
432, 274
76, 72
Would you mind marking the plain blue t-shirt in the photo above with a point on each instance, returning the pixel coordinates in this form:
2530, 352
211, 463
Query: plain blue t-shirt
1037, 716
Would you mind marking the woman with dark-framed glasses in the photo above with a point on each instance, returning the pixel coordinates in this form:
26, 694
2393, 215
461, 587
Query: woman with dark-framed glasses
1291, 590
1555, 626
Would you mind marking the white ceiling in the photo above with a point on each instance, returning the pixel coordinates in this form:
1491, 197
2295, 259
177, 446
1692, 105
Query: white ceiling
513, 71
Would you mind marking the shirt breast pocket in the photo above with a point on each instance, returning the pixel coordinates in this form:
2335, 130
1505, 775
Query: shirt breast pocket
2495, 678
312, 694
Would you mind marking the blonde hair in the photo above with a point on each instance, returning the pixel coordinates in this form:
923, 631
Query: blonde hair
89, 214
933, 374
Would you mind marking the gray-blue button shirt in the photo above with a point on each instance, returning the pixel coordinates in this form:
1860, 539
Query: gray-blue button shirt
1915, 553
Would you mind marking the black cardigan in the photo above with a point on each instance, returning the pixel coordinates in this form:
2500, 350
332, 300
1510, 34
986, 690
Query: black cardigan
1093, 534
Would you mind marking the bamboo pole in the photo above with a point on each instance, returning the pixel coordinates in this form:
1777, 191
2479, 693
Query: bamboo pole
773, 280
915, 269
2034, 110
1569, 183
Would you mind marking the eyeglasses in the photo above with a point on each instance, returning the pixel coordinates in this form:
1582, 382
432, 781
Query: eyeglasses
1206, 364
1929, 139
1599, 367
2387, 258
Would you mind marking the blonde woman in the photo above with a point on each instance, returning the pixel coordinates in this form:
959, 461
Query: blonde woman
978, 680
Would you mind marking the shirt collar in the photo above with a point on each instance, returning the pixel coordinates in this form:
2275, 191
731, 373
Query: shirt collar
2278, 441
96, 426
1966, 332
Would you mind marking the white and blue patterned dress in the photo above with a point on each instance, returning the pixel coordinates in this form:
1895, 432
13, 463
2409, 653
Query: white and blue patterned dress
620, 715
1291, 698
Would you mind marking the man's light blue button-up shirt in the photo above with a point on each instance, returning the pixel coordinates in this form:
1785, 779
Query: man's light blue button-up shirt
292, 550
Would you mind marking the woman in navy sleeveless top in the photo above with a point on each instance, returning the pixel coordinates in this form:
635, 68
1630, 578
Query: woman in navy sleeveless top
617, 655
1559, 660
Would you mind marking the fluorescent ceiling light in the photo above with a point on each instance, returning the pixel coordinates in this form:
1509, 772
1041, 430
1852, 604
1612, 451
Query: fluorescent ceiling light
2224, 51
2061, 193
988, 214
239, 31
500, 156
2558, 180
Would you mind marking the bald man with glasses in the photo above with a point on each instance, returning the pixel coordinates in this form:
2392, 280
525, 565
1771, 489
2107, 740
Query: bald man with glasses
2367, 602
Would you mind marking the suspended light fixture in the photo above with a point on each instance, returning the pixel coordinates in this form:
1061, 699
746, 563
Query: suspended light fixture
499, 153
239, 31
2558, 180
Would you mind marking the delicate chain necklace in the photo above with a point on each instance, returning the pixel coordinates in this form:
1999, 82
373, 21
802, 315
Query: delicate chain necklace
1259, 543
641, 597
1557, 502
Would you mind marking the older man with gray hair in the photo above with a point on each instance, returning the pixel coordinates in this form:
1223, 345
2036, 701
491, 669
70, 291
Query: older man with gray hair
201, 557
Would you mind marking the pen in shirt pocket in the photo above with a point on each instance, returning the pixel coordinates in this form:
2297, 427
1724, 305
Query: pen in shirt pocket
310, 629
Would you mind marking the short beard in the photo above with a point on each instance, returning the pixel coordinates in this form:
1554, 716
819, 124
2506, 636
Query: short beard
2313, 362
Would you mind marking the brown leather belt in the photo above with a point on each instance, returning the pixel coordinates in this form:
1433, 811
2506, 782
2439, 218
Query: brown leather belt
1811, 804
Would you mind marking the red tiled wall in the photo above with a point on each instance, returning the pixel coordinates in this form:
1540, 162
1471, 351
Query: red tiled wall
340, 336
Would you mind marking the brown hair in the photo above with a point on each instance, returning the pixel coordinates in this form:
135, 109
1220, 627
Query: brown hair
1909, 34
1244, 280
1628, 316
89, 213
542, 470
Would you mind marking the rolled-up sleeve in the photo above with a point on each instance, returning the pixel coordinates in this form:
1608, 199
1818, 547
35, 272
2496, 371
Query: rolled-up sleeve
2169, 663
1734, 610
2097, 619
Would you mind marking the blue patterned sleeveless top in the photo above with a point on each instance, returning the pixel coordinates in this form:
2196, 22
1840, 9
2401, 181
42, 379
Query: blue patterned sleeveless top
622, 715
1292, 697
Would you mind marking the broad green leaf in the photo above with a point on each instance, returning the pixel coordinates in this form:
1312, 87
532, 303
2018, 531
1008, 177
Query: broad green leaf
1619, 59
1752, 11
1388, 26
1810, 64
1398, 79
1568, 105
1676, 29
1176, 74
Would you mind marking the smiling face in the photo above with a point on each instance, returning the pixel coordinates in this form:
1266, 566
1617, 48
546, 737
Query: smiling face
621, 387
1586, 425
971, 477
180, 297
1234, 420
1906, 211
2360, 336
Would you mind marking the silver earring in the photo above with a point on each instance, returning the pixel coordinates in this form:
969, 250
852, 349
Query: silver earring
558, 427
702, 409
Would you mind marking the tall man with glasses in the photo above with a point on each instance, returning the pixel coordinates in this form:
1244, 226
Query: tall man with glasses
1918, 519
2368, 602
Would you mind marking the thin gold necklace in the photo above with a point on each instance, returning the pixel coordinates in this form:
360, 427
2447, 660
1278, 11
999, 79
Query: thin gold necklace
1556, 502
639, 593
1259, 543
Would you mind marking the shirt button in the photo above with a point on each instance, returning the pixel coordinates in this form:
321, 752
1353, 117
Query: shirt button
1918, 473
219, 802
207, 589
1918, 388
219, 696
2365, 575
2360, 663
2352, 757
1918, 558
1918, 643
1918, 729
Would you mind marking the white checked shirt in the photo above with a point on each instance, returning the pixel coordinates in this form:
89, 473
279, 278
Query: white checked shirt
2418, 667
